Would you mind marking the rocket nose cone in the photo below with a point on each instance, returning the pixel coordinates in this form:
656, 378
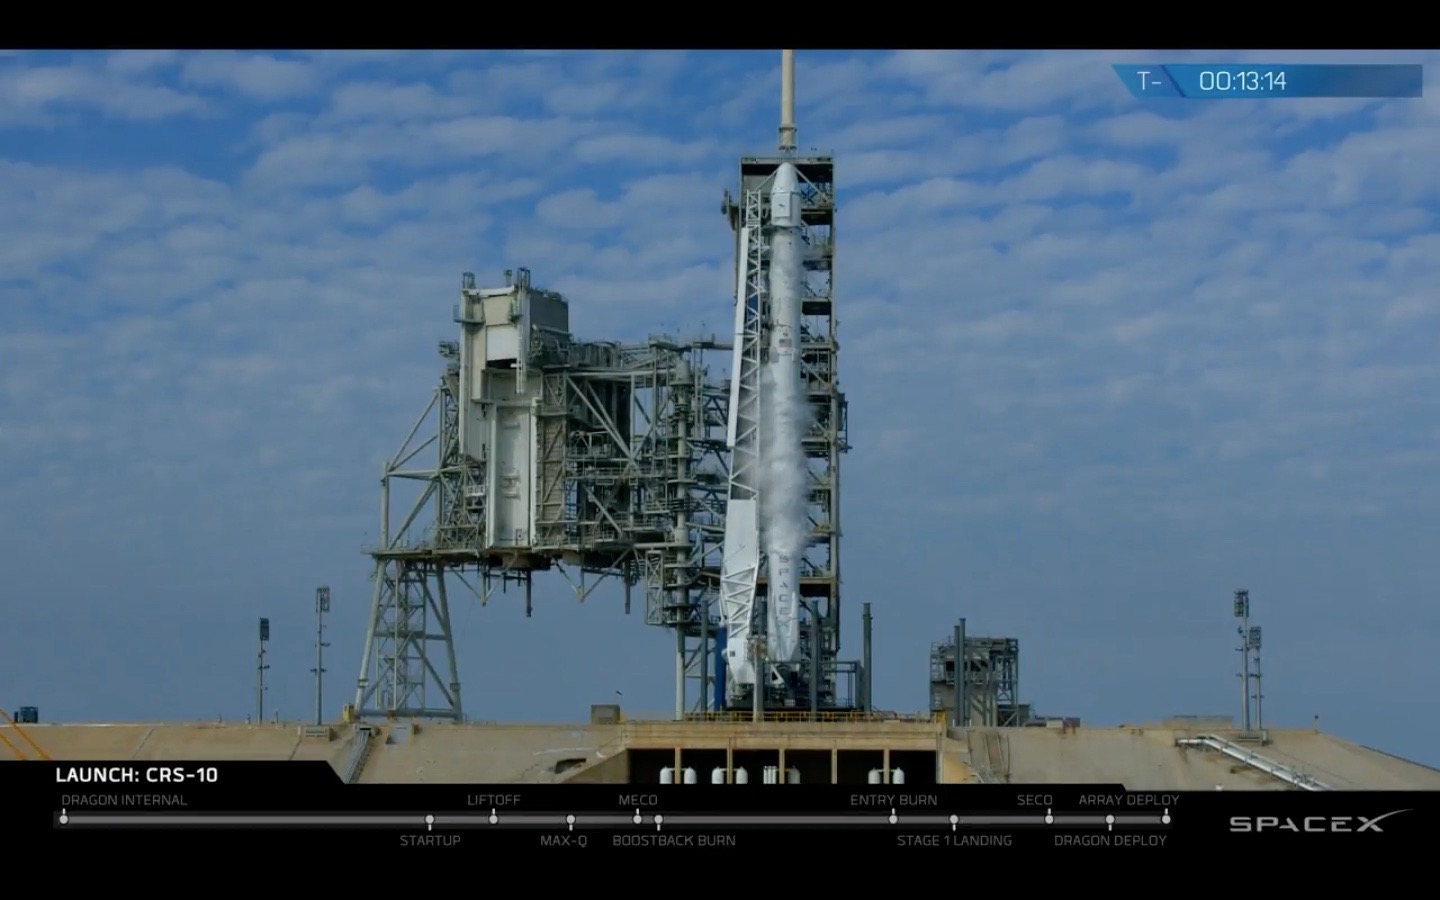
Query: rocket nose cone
785, 197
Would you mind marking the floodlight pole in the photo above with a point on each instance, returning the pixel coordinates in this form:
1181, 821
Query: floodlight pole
322, 606
260, 668
1242, 612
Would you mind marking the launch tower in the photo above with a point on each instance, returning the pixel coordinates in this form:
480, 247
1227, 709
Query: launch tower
539, 451
594, 459
782, 616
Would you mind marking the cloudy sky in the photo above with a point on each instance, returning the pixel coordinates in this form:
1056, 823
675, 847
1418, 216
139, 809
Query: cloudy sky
1108, 360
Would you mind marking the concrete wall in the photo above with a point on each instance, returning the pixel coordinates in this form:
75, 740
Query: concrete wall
1146, 758
1348, 766
955, 768
184, 742
1141, 758
613, 769
478, 754
82, 742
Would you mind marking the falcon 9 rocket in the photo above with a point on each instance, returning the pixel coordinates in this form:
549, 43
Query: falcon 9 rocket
785, 412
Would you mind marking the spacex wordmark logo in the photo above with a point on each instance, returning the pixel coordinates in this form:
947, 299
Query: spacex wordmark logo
1311, 824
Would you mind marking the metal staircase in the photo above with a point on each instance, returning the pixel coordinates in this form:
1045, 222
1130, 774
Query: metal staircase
360, 752
1255, 761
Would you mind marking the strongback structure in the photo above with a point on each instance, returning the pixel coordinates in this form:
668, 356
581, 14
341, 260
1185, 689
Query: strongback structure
980, 685
818, 680
594, 459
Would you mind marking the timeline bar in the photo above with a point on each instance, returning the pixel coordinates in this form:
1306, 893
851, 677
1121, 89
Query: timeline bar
586, 821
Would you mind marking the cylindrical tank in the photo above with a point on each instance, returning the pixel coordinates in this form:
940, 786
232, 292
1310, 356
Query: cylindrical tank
717, 775
875, 776
792, 776
897, 776
690, 776
771, 774
742, 776
667, 775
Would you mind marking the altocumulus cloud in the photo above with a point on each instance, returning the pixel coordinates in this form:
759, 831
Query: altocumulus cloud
1107, 360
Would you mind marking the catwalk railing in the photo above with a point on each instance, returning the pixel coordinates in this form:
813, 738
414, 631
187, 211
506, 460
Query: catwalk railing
1256, 761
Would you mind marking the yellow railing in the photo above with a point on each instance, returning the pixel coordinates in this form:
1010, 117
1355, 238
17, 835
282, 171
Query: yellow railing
15, 726
19, 754
801, 716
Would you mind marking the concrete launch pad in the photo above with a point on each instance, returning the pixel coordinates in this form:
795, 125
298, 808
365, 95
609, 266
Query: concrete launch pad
1139, 757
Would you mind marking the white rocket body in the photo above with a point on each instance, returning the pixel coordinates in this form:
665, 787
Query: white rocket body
786, 267
767, 522
785, 519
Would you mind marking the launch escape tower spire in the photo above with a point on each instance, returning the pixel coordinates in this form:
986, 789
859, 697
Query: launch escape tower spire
816, 680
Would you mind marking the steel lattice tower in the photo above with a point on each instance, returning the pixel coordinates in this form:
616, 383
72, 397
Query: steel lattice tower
539, 452
827, 441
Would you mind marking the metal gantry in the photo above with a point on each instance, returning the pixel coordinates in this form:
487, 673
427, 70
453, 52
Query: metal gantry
977, 685
621, 472
827, 440
594, 459
603, 460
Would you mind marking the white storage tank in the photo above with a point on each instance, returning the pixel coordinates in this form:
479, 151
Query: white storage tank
792, 776
717, 775
897, 776
742, 776
690, 776
667, 775
875, 776
772, 774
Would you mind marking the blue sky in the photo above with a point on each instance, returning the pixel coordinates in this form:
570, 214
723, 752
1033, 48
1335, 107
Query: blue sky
1108, 360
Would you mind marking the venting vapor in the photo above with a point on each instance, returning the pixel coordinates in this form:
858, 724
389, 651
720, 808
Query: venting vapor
785, 522
767, 521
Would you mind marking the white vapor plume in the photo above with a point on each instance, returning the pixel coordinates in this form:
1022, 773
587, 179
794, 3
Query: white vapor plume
785, 416
784, 516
